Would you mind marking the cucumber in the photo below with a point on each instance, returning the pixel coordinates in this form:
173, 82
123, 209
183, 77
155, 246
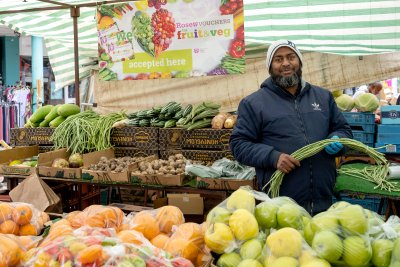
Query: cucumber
66, 110
187, 110
170, 124
164, 110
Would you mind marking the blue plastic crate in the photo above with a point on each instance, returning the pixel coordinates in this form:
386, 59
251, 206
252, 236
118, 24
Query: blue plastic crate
389, 148
387, 138
389, 129
368, 128
390, 114
359, 117
364, 137
366, 202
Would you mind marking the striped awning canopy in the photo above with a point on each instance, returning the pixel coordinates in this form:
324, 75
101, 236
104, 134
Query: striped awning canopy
344, 27
57, 29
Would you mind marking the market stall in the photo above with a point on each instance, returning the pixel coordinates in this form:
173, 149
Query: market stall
174, 151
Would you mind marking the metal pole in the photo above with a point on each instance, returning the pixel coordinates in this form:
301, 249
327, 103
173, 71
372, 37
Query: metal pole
55, 3
75, 13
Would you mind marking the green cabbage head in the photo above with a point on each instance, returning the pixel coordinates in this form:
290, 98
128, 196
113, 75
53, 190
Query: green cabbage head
366, 102
345, 102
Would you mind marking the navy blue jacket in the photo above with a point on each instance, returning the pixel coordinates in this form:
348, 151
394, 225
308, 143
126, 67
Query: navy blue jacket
271, 121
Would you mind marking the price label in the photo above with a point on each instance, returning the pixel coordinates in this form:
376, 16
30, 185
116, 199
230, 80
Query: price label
391, 149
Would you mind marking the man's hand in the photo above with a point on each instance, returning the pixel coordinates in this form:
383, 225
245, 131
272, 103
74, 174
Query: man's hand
334, 148
287, 163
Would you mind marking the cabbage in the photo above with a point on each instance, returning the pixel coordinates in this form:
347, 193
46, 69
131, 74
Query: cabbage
337, 93
344, 102
366, 102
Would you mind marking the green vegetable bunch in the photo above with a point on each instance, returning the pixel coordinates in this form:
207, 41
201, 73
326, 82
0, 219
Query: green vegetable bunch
86, 132
378, 176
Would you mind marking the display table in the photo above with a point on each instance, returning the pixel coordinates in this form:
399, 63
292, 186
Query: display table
80, 194
356, 186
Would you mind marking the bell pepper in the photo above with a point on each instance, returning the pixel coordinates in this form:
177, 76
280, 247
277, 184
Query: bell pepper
240, 33
236, 49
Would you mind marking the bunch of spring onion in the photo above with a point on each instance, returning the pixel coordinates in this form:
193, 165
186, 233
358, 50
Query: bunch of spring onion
378, 176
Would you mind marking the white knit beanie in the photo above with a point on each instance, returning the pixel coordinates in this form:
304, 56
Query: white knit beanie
278, 44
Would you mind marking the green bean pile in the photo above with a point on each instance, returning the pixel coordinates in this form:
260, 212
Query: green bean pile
85, 132
310, 150
101, 137
373, 173
75, 133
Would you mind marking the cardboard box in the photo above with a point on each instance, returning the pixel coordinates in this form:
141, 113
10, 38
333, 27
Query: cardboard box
176, 138
17, 153
134, 152
46, 160
200, 155
139, 137
31, 136
390, 114
130, 208
158, 179
187, 203
107, 176
223, 183
44, 149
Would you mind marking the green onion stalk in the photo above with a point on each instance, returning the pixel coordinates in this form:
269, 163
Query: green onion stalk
376, 174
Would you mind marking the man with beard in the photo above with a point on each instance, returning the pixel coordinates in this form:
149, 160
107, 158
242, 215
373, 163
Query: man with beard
284, 115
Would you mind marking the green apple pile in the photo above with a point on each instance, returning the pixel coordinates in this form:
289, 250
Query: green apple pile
287, 248
342, 235
238, 228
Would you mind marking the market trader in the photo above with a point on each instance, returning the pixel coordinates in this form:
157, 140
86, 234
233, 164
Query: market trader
284, 115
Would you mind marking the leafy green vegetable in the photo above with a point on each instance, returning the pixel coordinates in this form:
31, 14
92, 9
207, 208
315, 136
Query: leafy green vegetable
344, 102
366, 102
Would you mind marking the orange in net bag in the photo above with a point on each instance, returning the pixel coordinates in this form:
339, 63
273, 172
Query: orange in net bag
21, 219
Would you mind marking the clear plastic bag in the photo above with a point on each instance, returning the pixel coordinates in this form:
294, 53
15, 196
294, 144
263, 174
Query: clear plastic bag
287, 247
153, 222
349, 235
187, 241
233, 169
21, 219
165, 228
222, 168
238, 220
98, 250
97, 216
10, 250
202, 171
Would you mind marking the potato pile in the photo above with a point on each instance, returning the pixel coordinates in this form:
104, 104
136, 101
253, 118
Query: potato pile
114, 164
175, 165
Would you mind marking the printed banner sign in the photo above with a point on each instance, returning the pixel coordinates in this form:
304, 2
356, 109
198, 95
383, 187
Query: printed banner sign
170, 39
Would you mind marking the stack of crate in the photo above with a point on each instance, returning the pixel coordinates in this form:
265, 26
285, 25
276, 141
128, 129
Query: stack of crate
388, 134
362, 125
